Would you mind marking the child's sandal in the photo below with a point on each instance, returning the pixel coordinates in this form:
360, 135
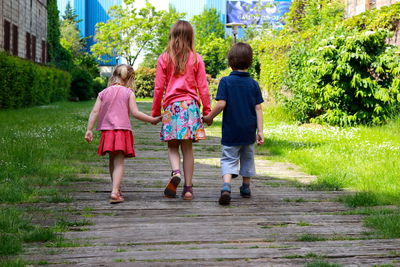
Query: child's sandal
116, 198
187, 189
170, 188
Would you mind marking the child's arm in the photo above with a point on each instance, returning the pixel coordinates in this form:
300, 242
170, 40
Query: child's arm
136, 113
260, 133
202, 85
159, 86
214, 112
92, 119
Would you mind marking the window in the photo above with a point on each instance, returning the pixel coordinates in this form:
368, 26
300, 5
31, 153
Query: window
33, 39
7, 33
15, 40
44, 47
28, 45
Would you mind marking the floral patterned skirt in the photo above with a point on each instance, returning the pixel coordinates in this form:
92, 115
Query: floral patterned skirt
182, 121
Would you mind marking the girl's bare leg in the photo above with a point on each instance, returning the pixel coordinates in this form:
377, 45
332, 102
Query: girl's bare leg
188, 161
173, 154
111, 165
118, 171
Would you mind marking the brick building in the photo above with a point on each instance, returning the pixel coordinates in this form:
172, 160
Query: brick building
23, 28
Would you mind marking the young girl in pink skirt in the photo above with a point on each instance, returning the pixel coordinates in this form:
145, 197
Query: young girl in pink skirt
180, 84
112, 107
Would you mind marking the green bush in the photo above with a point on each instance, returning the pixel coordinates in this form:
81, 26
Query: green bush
144, 82
99, 83
82, 84
214, 51
24, 83
386, 17
330, 70
353, 78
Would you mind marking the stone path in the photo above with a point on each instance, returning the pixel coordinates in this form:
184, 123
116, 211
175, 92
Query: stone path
269, 229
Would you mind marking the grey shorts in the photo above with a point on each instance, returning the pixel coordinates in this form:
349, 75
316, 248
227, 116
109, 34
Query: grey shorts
234, 157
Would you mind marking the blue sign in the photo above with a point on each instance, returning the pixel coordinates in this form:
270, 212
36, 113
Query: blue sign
258, 12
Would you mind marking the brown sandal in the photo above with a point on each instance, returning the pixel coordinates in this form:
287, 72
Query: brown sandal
170, 188
187, 189
116, 198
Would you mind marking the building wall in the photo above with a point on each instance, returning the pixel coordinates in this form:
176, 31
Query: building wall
355, 7
25, 17
192, 8
90, 12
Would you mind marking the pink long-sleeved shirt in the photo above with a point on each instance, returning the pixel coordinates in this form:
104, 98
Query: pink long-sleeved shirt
190, 85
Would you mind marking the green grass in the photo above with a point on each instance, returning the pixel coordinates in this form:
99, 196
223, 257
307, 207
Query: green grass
386, 225
361, 158
42, 150
361, 199
321, 263
310, 238
12, 263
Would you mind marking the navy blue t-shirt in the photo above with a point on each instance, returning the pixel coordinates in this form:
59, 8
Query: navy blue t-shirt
239, 119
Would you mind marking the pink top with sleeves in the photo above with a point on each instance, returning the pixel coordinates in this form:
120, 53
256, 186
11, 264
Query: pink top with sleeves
170, 88
114, 109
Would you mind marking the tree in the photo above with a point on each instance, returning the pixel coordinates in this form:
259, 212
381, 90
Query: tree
208, 23
210, 40
59, 56
70, 13
70, 35
306, 14
161, 42
130, 31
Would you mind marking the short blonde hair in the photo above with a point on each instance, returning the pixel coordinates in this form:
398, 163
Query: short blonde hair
124, 75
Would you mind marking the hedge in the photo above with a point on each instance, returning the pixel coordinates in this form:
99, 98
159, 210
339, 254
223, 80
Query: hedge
24, 83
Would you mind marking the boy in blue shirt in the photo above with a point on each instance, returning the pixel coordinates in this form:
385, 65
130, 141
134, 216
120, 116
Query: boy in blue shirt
240, 98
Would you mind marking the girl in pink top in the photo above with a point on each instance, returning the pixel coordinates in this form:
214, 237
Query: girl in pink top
113, 106
180, 84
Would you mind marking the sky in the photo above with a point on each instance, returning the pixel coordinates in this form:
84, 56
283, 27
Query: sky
158, 4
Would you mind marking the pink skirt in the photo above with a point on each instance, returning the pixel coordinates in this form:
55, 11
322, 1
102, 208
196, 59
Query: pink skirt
114, 141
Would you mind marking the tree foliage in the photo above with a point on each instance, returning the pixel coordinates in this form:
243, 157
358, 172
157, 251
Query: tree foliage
308, 14
59, 56
351, 78
131, 31
343, 75
162, 32
210, 40
208, 23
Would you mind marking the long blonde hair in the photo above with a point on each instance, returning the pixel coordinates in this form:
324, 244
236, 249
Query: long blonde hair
180, 44
124, 75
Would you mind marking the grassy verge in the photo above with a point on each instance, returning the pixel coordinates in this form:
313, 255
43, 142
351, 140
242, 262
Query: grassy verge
41, 149
364, 159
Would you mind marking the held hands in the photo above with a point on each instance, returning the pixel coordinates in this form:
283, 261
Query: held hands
156, 120
260, 138
207, 120
89, 136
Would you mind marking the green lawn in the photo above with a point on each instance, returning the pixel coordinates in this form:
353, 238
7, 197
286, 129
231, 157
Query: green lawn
362, 158
41, 149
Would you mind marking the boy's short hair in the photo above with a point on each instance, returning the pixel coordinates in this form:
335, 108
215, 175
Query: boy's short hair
240, 56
